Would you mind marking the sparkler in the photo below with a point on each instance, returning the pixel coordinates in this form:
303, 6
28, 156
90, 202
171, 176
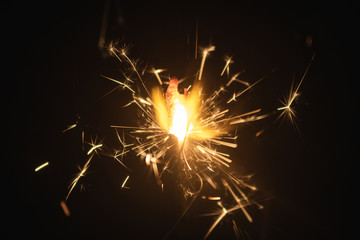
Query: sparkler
201, 130
186, 132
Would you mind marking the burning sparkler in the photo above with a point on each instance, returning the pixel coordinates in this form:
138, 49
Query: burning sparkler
201, 130
186, 131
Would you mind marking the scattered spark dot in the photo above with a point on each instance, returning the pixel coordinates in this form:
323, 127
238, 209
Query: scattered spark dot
65, 208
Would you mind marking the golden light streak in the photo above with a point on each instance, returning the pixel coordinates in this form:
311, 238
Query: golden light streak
234, 79
209, 180
156, 173
249, 218
83, 140
236, 230
69, 127
287, 109
124, 150
205, 53
187, 163
242, 92
123, 184
214, 198
249, 119
196, 37
41, 166
78, 176
221, 216
156, 72
259, 133
113, 50
227, 66
94, 147
123, 53
120, 83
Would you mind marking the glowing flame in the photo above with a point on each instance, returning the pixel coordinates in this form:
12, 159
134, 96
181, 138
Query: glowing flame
179, 121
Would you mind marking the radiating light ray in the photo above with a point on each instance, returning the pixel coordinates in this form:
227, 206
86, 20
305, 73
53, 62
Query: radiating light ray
217, 221
236, 230
204, 55
237, 199
113, 50
93, 148
249, 87
120, 83
79, 175
41, 166
227, 66
69, 127
125, 181
234, 79
123, 53
196, 38
156, 72
287, 109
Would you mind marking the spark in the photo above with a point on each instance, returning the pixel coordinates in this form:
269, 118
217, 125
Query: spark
123, 53
125, 181
113, 50
120, 83
227, 66
93, 148
236, 230
234, 79
259, 133
249, 218
214, 198
65, 208
156, 72
216, 222
124, 150
294, 93
78, 176
41, 166
83, 140
242, 92
196, 37
69, 127
204, 55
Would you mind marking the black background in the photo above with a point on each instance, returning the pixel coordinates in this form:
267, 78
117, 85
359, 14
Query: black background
53, 69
